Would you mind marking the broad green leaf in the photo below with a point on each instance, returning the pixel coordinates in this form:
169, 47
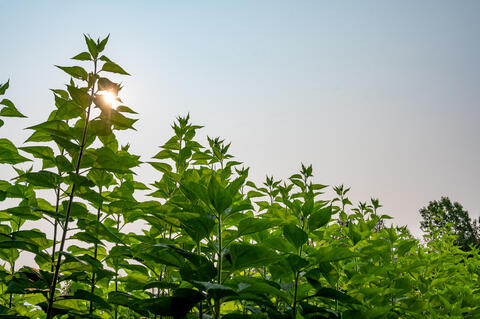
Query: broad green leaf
10, 110
215, 291
84, 56
74, 71
333, 253
43, 152
9, 153
80, 96
110, 66
319, 218
45, 179
242, 255
295, 235
92, 47
334, 294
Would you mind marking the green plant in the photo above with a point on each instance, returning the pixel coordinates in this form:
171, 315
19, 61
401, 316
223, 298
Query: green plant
213, 243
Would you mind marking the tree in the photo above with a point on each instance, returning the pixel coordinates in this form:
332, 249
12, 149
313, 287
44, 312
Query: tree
444, 214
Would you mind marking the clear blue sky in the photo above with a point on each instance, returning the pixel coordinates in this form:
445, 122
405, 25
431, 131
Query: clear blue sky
382, 96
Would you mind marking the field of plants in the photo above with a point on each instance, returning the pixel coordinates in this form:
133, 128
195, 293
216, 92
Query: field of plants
214, 245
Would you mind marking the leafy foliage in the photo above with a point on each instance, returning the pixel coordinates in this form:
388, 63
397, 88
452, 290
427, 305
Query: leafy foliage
213, 243
444, 214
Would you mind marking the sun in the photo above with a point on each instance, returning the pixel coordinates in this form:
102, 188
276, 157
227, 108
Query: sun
108, 96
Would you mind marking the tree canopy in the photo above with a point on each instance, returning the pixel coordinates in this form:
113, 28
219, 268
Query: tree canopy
443, 214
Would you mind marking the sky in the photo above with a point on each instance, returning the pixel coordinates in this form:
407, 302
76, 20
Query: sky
381, 96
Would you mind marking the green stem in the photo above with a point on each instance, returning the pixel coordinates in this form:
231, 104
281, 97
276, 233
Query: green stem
219, 265
95, 253
70, 200
200, 308
55, 229
11, 295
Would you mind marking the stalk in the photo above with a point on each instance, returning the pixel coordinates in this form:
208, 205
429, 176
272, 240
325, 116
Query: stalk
55, 228
200, 308
70, 201
219, 265
116, 269
96, 251
11, 295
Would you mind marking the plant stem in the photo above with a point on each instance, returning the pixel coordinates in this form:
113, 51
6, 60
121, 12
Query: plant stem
55, 229
200, 308
219, 264
96, 250
11, 295
70, 201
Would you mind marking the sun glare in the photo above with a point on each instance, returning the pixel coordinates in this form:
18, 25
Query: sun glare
108, 96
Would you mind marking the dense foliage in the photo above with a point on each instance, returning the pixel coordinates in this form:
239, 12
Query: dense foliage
442, 214
214, 243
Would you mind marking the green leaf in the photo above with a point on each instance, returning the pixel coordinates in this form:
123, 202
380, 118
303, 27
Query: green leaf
79, 96
404, 246
252, 225
333, 253
4, 87
319, 218
42, 179
125, 109
295, 235
75, 71
242, 255
68, 110
101, 45
9, 153
24, 212
215, 291
84, 56
110, 66
43, 152
53, 127
86, 295
10, 110
334, 294
92, 47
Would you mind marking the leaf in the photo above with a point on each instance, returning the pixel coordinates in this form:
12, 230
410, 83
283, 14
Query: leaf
295, 235
80, 96
75, 71
68, 110
332, 253
242, 255
24, 212
215, 291
86, 295
53, 127
92, 47
84, 56
101, 45
125, 109
404, 246
127, 300
4, 87
110, 66
80, 180
43, 152
252, 225
10, 110
319, 218
9, 153
334, 294
42, 179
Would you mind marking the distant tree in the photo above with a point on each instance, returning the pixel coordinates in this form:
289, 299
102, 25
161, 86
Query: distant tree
440, 214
